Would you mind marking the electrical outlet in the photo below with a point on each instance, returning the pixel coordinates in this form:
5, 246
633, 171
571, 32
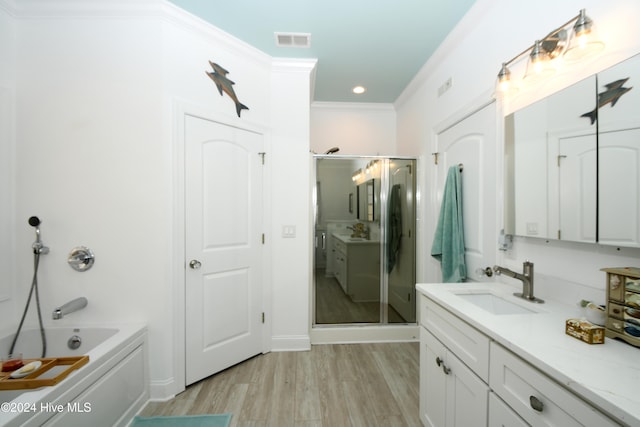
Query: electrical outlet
445, 86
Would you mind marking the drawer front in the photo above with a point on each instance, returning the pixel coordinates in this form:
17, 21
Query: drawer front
629, 329
501, 415
470, 345
615, 310
535, 397
615, 287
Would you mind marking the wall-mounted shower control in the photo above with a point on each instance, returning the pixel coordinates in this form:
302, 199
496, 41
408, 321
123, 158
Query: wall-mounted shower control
81, 258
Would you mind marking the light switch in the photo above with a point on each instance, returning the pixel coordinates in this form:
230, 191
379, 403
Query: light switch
288, 231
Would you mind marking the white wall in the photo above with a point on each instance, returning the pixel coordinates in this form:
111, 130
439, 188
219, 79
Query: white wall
7, 101
357, 129
291, 263
491, 33
99, 89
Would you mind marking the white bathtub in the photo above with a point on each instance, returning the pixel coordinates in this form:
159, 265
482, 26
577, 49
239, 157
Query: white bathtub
109, 390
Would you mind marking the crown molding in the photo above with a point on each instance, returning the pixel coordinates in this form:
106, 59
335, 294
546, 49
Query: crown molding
161, 10
354, 106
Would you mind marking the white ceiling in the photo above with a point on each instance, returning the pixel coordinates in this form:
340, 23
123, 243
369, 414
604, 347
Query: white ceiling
379, 44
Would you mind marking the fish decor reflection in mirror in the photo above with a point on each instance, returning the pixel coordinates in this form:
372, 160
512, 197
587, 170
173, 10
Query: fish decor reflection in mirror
610, 96
219, 77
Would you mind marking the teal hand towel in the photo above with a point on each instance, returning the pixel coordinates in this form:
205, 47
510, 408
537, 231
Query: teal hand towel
448, 241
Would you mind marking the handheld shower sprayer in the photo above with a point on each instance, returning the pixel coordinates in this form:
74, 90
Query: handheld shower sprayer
38, 247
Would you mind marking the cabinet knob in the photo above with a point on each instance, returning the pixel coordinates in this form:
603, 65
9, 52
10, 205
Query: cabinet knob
536, 404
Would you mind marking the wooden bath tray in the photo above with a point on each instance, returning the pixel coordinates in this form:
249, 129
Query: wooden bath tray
33, 381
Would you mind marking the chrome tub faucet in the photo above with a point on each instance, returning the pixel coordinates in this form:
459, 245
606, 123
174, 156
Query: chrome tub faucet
526, 278
70, 307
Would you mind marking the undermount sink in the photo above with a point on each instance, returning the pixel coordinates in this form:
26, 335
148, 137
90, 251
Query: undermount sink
494, 304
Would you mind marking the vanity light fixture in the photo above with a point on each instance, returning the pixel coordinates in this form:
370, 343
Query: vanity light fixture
539, 64
574, 40
584, 41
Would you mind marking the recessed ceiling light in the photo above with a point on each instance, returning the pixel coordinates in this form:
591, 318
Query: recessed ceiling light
359, 90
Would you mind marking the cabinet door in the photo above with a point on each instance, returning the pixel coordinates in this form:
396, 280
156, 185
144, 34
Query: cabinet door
467, 395
450, 393
432, 381
500, 415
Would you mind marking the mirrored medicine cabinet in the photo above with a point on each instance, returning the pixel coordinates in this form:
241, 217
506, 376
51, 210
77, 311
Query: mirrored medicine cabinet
367, 204
573, 162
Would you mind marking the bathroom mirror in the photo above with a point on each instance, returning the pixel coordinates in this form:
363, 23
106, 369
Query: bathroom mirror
572, 162
367, 201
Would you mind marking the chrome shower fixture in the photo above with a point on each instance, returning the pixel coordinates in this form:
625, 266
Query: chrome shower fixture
38, 247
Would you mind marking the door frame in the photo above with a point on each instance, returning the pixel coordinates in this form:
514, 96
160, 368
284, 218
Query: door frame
180, 110
366, 332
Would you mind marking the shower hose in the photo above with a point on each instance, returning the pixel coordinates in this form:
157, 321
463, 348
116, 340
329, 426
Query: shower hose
34, 287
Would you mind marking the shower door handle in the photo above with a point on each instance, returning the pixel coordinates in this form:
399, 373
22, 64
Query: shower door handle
195, 264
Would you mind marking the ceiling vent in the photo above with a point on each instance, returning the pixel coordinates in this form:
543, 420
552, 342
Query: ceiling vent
293, 40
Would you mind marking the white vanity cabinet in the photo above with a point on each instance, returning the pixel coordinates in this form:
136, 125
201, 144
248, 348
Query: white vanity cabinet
340, 262
468, 379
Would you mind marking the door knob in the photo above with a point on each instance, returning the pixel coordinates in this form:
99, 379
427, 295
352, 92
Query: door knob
195, 264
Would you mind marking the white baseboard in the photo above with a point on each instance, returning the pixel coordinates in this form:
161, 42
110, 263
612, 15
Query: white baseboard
291, 343
364, 334
161, 391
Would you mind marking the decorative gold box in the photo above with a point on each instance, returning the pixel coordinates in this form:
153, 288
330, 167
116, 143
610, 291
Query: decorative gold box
623, 304
585, 331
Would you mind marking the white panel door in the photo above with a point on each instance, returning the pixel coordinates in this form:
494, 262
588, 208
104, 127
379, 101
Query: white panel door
223, 179
472, 143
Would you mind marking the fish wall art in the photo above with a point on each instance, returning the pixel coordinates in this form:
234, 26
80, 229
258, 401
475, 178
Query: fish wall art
219, 77
610, 96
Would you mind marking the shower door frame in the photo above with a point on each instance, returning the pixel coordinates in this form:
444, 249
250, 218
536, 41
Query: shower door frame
407, 328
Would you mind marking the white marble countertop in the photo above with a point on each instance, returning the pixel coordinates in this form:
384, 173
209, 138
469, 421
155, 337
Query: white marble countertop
346, 238
606, 375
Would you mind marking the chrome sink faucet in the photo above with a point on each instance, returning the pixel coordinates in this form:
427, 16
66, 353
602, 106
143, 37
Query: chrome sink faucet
526, 278
70, 307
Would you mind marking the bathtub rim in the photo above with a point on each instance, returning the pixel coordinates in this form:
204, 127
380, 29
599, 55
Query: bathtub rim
102, 358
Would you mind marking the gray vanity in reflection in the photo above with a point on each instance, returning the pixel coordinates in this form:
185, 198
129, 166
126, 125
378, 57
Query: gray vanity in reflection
574, 160
357, 263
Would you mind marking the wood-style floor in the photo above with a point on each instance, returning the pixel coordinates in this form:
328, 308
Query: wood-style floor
337, 385
334, 307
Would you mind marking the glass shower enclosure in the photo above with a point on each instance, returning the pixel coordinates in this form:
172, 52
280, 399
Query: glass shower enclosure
365, 249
